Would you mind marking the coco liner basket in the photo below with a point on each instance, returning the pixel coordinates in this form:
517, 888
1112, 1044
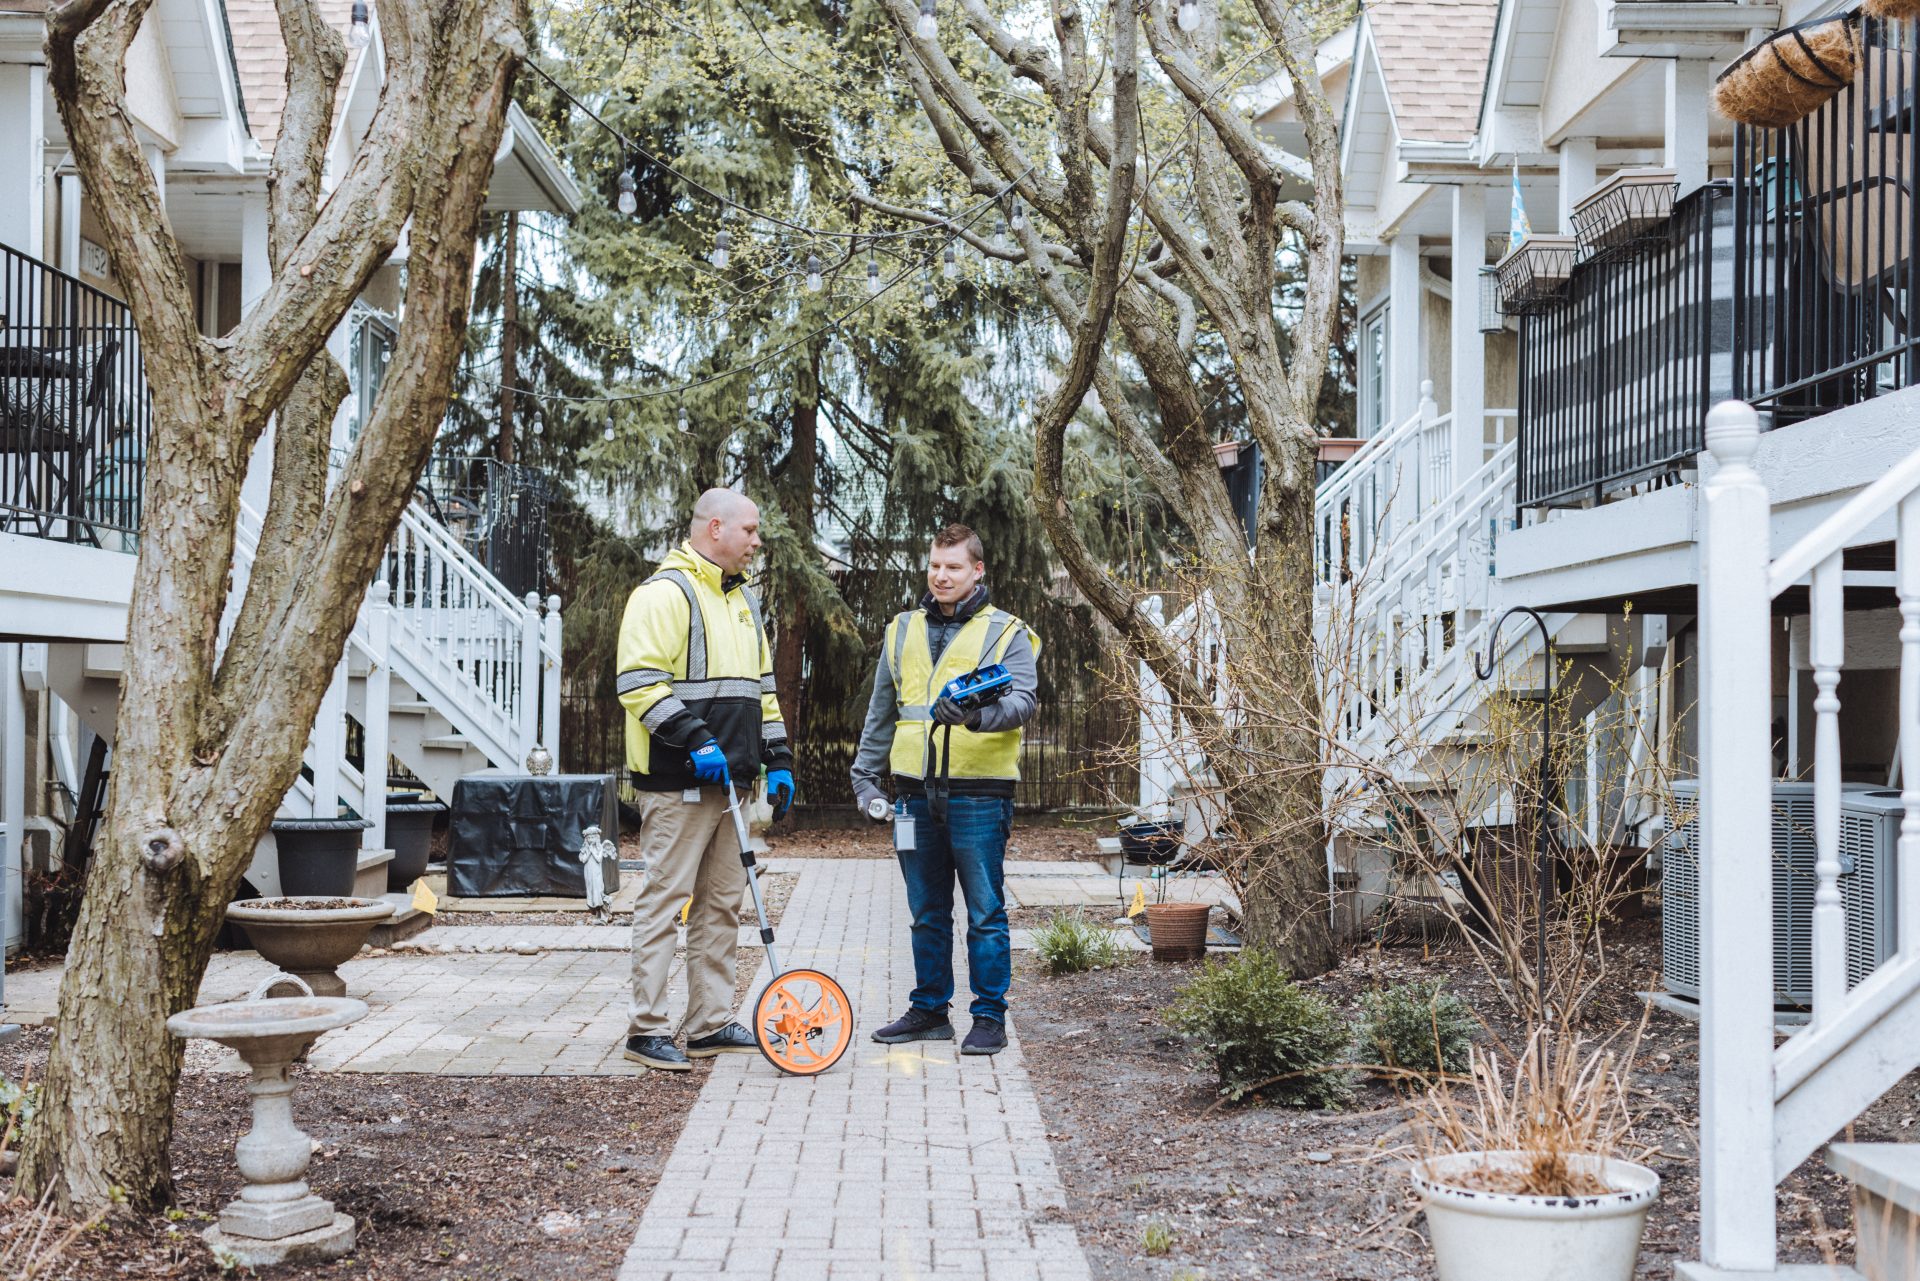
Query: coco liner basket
1178, 930
1789, 75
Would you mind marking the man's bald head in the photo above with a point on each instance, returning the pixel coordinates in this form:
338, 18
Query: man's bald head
725, 528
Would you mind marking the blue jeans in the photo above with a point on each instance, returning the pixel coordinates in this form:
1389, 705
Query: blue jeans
971, 845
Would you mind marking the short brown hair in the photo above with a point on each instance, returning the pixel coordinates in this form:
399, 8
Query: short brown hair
956, 534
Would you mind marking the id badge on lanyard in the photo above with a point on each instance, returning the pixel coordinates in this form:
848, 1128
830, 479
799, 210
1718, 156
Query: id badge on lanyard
902, 829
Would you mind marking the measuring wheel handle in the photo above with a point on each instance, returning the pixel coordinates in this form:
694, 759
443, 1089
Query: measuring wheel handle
803, 1022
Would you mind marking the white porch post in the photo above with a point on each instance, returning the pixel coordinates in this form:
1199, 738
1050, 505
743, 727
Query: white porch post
550, 681
71, 195
13, 791
256, 275
1469, 358
329, 745
526, 730
1736, 882
373, 760
1403, 327
23, 96
1689, 84
1579, 171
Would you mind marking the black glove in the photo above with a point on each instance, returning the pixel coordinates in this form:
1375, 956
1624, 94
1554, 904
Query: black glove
948, 712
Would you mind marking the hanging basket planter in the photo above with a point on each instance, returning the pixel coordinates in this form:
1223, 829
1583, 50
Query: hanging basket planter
1791, 74
1533, 276
1891, 10
1627, 212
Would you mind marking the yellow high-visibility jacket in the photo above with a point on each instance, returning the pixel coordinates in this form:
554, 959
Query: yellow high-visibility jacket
687, 674
919, 744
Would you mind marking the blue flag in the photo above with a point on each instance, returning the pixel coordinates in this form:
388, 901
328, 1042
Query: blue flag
1519, 228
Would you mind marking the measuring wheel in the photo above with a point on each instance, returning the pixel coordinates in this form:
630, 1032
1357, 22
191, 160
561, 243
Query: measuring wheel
803, 1022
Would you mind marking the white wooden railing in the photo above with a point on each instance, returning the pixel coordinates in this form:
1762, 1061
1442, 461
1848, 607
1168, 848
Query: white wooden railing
1765, 1110
437, 618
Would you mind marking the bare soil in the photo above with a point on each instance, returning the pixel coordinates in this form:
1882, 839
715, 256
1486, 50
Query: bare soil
1266, 1192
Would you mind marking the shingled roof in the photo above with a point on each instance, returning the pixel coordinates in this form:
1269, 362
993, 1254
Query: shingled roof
261, 58
1433, 56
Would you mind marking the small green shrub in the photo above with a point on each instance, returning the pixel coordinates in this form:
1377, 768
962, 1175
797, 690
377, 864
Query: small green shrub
1417, 1026
1157, 1239
1265, 1033
1070, 944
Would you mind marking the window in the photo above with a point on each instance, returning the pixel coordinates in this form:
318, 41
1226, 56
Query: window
1373, 374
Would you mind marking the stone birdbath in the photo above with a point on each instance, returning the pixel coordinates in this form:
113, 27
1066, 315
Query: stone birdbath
276, 1218
310, 936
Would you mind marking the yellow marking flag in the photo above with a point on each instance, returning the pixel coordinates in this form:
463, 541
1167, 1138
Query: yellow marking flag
685, 908
1139, 903
424, 899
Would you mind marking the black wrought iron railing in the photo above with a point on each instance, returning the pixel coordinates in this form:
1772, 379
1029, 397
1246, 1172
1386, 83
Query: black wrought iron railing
1827, 223
498, 510
1618, 372
74, 408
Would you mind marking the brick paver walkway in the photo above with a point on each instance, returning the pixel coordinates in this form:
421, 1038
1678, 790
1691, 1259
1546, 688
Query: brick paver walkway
902, 1162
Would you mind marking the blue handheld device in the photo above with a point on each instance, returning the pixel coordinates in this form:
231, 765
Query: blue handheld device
979, 687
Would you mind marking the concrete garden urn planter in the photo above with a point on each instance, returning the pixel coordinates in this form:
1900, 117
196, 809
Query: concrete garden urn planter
1482, 1235
410, 836
310, 937
276, 1218
318, 855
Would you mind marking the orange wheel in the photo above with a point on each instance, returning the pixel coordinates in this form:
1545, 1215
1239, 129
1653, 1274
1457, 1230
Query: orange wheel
803, 1022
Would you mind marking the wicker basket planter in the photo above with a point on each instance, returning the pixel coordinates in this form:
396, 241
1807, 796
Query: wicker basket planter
1628, 211
1533, 276
1791, 74
1178, 930
1891, 10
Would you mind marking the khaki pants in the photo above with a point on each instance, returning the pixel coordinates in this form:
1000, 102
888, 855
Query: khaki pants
691, 849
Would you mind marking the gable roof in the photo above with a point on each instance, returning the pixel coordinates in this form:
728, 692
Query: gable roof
261, 57
1433, 58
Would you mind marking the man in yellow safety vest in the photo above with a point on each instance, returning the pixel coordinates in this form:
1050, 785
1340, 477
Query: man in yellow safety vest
954, 767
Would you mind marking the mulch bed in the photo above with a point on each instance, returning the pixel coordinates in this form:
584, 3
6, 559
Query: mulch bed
447, 1177
1040, 838
1263, 1191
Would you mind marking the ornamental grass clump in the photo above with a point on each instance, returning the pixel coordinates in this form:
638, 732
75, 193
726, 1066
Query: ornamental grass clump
1265, 1034
1416, 1027
1071, 944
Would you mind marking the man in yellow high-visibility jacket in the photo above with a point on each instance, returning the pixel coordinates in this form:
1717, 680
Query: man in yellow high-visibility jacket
953, 770
696, 679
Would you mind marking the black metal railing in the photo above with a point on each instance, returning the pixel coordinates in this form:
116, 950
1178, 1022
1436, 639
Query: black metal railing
74, 408
1827, 223
1617, 374
498, 510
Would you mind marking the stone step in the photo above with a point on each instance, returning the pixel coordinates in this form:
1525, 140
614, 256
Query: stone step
370, 874
406, 921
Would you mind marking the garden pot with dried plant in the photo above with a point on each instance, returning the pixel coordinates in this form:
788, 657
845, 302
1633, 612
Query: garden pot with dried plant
1530, 1172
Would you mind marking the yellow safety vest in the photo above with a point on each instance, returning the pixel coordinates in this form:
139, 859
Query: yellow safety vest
917, 682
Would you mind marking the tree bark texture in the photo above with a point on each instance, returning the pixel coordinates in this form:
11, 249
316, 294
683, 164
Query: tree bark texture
1205, 246
210, 740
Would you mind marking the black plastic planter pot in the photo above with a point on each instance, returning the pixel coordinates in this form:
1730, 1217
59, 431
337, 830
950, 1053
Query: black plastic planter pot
318, 856
410, 837
1151, 843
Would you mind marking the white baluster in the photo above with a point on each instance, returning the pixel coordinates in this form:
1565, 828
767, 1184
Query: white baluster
526, 709
1829, 915
1736, 872
373, 764
550, 680
1907, 874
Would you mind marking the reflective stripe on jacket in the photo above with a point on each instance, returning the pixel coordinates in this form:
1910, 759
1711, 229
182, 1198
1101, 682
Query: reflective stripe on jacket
916, 753
688, 674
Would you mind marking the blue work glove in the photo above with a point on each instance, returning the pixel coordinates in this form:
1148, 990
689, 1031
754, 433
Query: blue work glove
780, 791
948, 712
710, 763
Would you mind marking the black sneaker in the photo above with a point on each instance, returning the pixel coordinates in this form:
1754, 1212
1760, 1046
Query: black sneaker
658, 1053
731, 1039
986, 1036
915, 1025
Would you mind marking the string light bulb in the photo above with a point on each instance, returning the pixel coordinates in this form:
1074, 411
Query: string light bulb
873, 274
359, 32
929, 26
815, 283
722, 248
950, 262
1000, 234
607, 435
680, 422
1016, 217
929, 298
1189, 15
627, 202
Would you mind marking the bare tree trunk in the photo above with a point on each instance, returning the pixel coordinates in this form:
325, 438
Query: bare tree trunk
209, 742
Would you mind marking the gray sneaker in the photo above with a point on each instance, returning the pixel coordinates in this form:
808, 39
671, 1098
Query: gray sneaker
658, 1053
731, 1039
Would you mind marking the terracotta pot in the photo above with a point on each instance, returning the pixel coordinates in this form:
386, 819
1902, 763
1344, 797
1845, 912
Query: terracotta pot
318, 856
1178, 931
410, 837
310, 940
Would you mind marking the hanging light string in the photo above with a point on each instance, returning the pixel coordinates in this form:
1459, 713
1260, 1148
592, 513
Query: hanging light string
728, 202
